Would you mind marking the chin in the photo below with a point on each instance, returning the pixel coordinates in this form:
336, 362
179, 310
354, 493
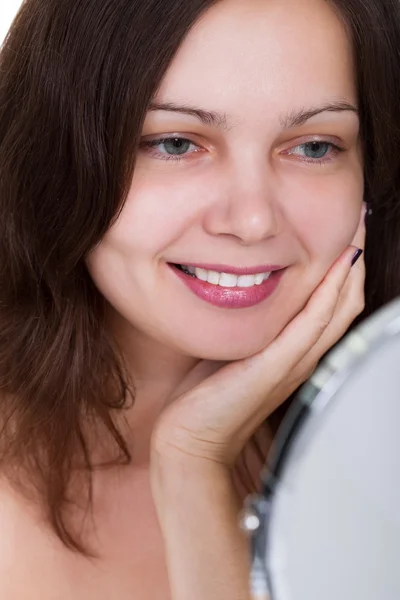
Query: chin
223, 344
230, 352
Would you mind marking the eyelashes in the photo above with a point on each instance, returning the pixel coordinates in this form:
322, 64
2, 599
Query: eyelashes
178, 149
323, 151
175, 148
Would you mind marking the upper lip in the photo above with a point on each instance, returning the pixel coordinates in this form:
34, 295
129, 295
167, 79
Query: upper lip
235, 270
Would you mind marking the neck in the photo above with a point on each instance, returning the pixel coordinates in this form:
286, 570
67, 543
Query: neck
159, 375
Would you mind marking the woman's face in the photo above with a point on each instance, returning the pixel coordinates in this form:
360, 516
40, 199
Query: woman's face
250, 157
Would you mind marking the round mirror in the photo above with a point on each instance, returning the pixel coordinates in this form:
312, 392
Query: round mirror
329, 517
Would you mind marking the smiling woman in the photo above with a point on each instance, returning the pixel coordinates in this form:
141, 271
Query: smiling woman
244, 175
182, 190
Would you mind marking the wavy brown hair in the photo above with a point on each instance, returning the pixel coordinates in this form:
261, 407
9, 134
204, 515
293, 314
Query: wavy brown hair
76, 79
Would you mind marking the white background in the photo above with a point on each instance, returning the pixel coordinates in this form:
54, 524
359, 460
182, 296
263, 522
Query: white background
8, 10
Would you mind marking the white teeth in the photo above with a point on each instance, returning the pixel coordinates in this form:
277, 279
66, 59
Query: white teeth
246, 281
213, 277
227, 279
201, 274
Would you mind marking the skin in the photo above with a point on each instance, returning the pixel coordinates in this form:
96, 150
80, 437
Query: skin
206, 377
237, 197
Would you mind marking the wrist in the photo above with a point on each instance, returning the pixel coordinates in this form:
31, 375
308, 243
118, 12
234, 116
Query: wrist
179, 480
169, 463
198, 511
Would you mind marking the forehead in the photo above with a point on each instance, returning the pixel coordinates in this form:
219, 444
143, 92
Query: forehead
251, 55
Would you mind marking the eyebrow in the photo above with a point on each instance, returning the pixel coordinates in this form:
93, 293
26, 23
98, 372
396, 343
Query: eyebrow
207, 117
297, 118
221, 120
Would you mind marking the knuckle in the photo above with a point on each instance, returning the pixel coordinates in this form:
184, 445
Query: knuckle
180, 442
302, 374
311, 369
360, 307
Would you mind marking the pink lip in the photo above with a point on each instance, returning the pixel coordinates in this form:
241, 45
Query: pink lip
225, 297
238, 270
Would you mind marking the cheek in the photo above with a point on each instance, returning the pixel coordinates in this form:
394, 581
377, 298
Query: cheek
327, 232
326, 213
159, 209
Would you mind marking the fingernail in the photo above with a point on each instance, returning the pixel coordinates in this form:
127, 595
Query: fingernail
356, 256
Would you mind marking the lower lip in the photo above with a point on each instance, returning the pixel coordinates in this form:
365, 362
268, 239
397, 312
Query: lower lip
225, 297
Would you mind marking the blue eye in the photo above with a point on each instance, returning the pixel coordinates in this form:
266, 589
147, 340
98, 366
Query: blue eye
170, 148
176, 146
314, 150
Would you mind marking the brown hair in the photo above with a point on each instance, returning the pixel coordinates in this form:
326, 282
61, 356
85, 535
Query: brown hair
76, 78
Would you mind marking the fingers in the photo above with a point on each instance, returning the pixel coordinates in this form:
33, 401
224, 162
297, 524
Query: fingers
350, 305
307, 328
359, 238
351, 299
272, 375
257, 376
352, 296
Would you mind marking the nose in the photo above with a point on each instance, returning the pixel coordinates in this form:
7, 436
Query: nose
245, 206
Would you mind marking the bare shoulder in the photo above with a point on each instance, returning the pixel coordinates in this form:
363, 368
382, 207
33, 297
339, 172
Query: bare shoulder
27, 559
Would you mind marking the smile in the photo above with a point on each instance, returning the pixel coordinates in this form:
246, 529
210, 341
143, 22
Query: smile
229, 290
222, 279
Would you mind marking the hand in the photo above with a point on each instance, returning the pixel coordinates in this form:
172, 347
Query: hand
215, 419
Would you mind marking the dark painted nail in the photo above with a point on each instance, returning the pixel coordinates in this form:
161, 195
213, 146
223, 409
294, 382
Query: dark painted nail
356, 256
